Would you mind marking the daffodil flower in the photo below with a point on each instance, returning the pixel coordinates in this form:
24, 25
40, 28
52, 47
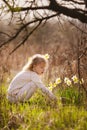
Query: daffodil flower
50, 84
82, 81
29, 58
75, 79
50, 88
58, 81
54, 85
67, 81
46, 56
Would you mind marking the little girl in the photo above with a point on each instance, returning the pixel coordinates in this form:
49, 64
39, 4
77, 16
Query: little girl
26, 82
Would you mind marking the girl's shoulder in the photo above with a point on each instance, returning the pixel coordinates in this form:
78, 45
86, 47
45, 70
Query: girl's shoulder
35, 77
29, 72
21, 73
32, 75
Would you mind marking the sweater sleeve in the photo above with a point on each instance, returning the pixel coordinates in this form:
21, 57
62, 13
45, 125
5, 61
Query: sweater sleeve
46, 91
40, 85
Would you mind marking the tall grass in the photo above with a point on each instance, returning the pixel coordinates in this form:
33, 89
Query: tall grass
40, 114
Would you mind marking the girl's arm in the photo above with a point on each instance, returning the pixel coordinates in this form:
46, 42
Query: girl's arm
36, 79
46, 91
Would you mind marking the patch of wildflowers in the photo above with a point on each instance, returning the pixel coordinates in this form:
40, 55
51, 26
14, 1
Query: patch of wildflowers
52, 85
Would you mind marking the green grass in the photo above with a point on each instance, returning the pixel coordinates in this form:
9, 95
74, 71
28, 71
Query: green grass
40, 114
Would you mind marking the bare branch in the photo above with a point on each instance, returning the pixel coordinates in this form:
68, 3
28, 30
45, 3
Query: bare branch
56, 7
22, 42
5, 34
9, 6
35, 9
73, 13
85, 3
77, 27
75, 2
25, 25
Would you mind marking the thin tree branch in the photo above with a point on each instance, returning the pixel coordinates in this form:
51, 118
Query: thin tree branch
5, 34
83, 53
75, 2
7, 3
77, 27
22, 42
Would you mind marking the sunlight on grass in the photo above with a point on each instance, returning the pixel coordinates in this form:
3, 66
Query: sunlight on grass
40, 114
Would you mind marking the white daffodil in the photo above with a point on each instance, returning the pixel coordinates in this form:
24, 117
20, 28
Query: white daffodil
82, 81
58, 81
75, 79
67, 81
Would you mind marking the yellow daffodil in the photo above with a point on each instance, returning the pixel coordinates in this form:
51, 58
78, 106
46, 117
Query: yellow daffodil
46, 56
50, 84
50, 88
54, 85
29, 58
